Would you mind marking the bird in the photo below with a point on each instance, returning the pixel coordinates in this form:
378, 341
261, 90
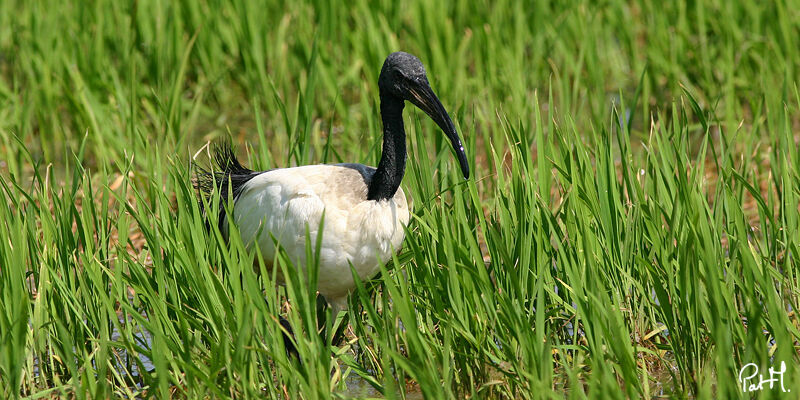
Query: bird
365, 210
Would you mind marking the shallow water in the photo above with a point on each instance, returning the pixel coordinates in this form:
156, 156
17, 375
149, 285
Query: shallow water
357, 387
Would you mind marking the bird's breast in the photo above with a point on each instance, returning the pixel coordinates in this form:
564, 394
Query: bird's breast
375, 227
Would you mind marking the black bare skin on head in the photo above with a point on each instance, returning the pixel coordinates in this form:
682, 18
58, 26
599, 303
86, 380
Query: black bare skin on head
403, 78
398, 69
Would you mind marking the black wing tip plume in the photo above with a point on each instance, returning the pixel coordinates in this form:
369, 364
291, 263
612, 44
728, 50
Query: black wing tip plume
225, 159
227, 176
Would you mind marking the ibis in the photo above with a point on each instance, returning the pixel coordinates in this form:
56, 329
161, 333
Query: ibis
365, 210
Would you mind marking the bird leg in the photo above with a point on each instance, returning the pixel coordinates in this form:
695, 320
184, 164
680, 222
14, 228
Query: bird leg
288, 343
336, 306
321, 305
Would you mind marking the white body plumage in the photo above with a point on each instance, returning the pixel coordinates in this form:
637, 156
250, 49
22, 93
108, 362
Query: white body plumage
356, 231
365, 210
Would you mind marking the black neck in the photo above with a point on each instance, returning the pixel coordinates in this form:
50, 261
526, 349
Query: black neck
392, 166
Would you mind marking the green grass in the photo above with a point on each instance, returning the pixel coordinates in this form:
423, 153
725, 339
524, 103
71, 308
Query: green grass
630, 230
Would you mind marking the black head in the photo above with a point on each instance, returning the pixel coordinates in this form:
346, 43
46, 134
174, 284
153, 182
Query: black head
403, 76
399, 70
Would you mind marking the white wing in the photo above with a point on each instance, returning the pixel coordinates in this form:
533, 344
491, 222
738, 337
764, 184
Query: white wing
281, 203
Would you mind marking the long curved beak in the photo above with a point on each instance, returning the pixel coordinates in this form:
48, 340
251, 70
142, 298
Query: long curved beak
422, 96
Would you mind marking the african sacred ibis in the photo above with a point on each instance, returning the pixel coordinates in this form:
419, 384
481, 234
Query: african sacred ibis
365, 209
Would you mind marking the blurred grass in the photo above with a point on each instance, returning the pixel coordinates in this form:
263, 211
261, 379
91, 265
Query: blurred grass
630, 231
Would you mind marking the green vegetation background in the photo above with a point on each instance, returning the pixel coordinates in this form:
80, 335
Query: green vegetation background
631, 229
